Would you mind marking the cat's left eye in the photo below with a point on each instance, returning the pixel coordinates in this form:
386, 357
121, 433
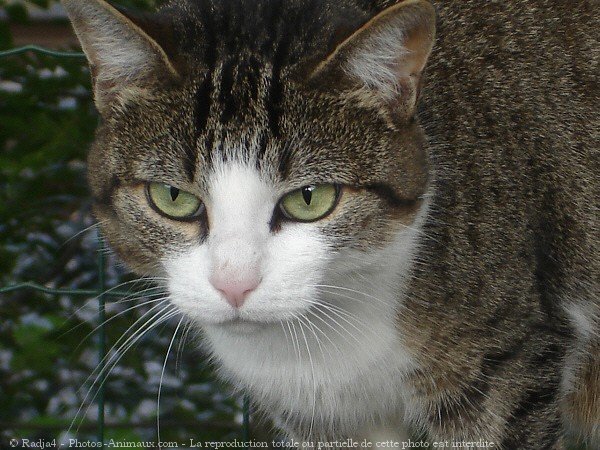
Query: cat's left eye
310, 203
173, 202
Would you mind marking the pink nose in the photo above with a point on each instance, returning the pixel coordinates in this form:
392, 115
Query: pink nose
235, 289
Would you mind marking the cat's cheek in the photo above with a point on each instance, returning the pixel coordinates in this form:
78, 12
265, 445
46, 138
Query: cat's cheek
293, 268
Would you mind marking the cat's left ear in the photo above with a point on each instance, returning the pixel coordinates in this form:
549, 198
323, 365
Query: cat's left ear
126, 61
385, 58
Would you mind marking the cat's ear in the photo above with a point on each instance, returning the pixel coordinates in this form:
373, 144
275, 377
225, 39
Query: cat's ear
125, 60
384, 59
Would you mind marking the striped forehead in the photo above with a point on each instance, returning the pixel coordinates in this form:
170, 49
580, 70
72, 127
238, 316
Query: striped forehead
237, 115
239, 100
241, 57
232, 95
247, 51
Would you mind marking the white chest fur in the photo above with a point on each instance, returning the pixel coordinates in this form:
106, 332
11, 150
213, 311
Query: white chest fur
337, 389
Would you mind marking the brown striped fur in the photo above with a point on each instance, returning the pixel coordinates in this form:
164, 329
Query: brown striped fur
505, 138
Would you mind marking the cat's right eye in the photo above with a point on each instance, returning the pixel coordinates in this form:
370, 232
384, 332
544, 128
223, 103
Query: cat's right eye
173, 202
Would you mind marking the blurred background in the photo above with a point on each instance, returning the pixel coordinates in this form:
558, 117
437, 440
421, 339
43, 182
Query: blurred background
49, 344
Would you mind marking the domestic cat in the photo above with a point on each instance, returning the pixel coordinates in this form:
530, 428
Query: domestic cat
383, 215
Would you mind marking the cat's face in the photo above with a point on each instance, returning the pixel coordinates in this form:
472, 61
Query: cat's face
251, 185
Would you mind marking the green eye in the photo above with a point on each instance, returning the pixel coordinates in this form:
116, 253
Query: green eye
311, 203
172, 202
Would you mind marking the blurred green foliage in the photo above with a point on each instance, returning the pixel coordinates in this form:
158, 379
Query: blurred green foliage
48, 344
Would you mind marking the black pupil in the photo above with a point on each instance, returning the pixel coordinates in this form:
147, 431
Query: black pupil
174, 193
307, 193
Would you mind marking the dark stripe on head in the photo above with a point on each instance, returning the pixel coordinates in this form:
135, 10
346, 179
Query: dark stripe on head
253, 77
221, 151
226, 26
262, 149
274, 101
281, 43
190, 161
211, 49
285, 156
209, 143
272, 14
226, 99
204, 100
203, 104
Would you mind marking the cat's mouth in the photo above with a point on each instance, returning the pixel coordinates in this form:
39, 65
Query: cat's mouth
246, 320
241, 324
244, 325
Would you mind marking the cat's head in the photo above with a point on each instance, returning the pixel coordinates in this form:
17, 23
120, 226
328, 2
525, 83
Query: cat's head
253, 153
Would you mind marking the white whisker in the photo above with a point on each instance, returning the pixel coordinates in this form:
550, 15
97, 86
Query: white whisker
110, 319
105, 364
85, 230
104, 375
314, 382
162, 374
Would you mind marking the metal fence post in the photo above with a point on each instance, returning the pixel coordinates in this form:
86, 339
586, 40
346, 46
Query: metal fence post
101, 334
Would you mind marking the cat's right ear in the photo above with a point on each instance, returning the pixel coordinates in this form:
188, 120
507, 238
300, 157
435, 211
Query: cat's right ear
125, 61
384, 59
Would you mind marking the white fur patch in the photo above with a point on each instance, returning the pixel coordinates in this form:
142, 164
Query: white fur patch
318, 337
584, 317
240, 208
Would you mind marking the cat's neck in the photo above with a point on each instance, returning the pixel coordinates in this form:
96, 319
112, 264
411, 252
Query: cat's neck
298, 368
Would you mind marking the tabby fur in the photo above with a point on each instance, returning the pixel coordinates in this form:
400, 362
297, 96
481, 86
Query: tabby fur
496, 166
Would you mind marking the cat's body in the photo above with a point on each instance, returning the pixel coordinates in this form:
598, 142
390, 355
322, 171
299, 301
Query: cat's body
454, 287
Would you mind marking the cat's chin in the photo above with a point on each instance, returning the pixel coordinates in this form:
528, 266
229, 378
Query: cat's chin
245, 326
240, 326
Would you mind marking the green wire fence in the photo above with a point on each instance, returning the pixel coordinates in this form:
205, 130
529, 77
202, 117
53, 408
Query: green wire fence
101, 293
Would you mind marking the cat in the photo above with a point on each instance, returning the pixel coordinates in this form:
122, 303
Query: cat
383, 215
